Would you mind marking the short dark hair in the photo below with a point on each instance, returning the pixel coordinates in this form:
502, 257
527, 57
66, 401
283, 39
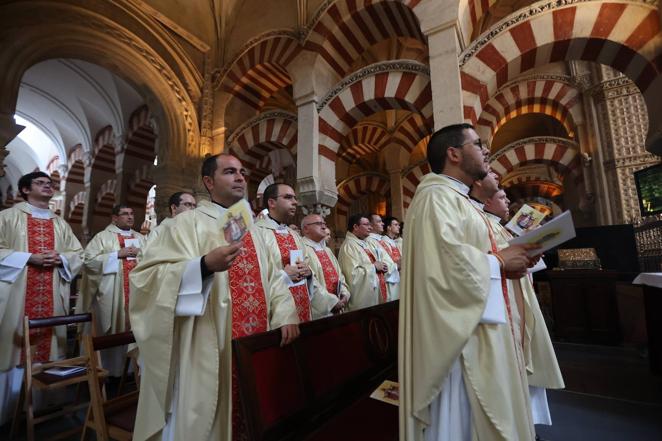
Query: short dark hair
176, 198
26, 181
373, 214
388, 220
449, 136
118, 207
271, 192
209, 165
355, 219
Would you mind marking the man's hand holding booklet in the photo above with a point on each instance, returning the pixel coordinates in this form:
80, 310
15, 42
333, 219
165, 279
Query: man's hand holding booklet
552, 234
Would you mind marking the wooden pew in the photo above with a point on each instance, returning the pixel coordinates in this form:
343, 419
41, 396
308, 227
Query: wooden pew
318, 388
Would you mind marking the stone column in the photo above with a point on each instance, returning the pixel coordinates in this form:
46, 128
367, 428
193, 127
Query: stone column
8, 131
397, 209
439, 24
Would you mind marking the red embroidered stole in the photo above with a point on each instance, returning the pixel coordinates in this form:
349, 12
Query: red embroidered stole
392, 251
249, 316
331, 277
380, 276
39, 286
127, 266
299, 293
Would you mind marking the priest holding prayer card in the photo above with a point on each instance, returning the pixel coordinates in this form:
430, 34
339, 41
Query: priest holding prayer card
461, 377
192, 293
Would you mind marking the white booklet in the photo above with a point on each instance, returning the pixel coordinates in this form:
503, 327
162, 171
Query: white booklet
553, 233
296, 255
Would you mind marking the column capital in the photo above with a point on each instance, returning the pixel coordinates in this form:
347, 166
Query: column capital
8, 131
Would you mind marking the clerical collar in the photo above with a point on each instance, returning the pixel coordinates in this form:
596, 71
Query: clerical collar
219, 204
317, 246
279, 223
459, 185
39, 213
494, 217
375, 236
478, 204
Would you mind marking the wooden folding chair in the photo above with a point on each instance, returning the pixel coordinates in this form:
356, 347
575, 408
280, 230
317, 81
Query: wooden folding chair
36, 377
114, 418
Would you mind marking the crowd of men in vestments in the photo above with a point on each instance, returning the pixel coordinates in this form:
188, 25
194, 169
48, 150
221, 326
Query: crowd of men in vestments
474, 353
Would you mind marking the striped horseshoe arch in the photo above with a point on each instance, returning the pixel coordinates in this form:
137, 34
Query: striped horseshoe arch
141, 142
353, 188
623, 35
105, 199
552, 97
411, 178
364, 139
76, 208
561, 153
253, 141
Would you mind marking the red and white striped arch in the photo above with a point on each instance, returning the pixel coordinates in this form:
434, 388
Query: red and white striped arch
253, 141
555, 98
353, 188
52, 169
347, 28
260, 70
103, 159
139, 187
76, 171
537, 202
562, 154
105, 199
77, 207
141, 140
623, 35
411, 131
410, 180
379, 87
364, 139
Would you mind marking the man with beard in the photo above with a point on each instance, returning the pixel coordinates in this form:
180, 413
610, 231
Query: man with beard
39, 257
459, 373
109, 258
310, 297
177, 203
541, 365
322, 262
384, 254
192, 294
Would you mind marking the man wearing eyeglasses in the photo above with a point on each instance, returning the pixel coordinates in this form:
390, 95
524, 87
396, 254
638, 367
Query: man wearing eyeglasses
461, 372
289, 254
109, 258
323, 263
39, 256
177, 203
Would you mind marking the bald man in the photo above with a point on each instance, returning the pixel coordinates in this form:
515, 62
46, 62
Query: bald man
323, 263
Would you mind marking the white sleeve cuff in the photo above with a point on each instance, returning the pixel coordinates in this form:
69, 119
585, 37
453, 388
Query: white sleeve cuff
539, 266
64, 270
193, 291
286, 279
495, 307
393, 277
112, 264
12, 265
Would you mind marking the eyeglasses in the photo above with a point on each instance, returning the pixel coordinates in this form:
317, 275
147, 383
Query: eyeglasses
43, 183
189, 204
321, 224
289, 197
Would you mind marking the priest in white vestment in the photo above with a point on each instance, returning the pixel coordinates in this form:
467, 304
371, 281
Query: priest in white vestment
384, 254
192, 293
542, 367
39, 257
363, 272
178, 202
391, 237
109, 258
323, 263
461, 378
290, 255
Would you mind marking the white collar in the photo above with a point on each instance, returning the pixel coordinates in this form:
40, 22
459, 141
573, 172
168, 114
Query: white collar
40, 213
459, 185
317, 246
477, 204
494, 217
388, 240
375, 236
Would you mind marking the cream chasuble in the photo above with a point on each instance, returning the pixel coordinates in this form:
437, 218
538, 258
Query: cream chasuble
541, 363
327, 271
318, 302
359, 272
382, 252
442, 327
187, 355
105, 285
25, 229
165, 223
